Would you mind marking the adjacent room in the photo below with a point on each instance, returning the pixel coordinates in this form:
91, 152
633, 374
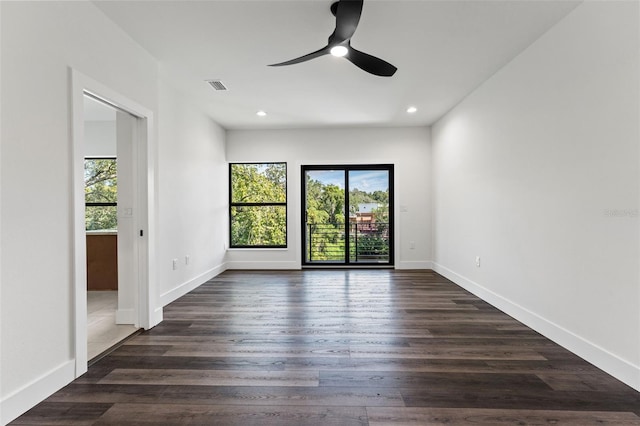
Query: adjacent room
314, 212
107, 180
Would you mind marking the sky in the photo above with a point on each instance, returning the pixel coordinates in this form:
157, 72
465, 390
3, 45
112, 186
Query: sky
364, 180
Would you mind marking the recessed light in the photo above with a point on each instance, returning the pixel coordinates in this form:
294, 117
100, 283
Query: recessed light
412, 109
261, 113
339, 51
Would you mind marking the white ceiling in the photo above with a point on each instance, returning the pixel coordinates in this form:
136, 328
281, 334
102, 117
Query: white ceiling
443, 50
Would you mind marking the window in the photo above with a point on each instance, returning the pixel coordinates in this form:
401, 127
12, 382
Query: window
101, 193
347, 213
258, 205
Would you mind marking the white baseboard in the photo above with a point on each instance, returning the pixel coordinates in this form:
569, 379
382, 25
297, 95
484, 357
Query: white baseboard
423, 264
184, 288
264, 265
125, 316
596, 355
27, 397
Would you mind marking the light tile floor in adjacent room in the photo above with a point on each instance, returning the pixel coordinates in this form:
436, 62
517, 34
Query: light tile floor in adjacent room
102, 330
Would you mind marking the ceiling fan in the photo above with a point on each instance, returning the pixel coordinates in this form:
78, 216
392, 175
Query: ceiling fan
347, 13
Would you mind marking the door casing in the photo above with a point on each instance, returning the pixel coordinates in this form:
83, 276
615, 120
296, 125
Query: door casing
147, 315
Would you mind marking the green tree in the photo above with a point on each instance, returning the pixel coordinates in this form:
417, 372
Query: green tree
258, 205
325, 221
381, 197
101, 186
357, 197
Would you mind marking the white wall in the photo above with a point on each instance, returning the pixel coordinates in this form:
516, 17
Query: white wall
100, 138
192, 195
409, 149
40, 43
44, 40
99, 129
537, 172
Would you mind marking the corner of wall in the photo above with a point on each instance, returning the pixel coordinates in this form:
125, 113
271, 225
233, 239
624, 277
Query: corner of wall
423, 264
600, 357
186, 287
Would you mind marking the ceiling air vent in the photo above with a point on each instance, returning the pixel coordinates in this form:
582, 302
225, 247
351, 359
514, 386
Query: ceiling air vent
217, 84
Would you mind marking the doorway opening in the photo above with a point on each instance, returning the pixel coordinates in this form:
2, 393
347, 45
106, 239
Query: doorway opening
347, 215
135, 158
108, 178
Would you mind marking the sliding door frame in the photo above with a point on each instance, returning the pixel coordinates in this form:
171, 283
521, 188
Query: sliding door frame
347, 168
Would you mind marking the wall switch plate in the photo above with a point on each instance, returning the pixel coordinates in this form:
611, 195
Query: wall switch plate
175, 264
186, 260
412, 245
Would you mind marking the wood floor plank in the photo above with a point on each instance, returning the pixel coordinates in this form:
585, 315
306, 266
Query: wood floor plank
285, 396
229, 395
387, 364
583, 382
64, 414
433, 382
109, 394
521, 398
489, 417
338, 347
210, 377
448, 352
142, 350
249, 415
193, 363
292, 350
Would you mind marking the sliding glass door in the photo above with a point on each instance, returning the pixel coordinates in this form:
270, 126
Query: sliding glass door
347, 215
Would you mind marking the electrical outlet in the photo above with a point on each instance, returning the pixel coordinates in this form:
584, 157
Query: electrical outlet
478, 261
175, 264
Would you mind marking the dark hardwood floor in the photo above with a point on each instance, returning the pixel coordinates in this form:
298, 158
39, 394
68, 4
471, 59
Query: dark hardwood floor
338, 347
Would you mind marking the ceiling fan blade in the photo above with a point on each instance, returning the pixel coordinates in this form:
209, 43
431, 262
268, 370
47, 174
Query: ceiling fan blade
370, 64
304, 58
347, 13
347, 17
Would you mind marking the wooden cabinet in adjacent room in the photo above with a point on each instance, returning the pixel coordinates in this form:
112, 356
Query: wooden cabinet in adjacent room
102, 260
